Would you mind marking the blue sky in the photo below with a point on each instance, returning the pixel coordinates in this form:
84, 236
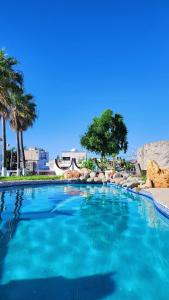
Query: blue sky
82, 57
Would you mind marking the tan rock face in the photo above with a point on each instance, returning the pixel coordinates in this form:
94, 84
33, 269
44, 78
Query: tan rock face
85, 171
158, 176
72, 174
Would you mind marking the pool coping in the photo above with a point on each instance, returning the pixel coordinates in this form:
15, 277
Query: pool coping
163, 209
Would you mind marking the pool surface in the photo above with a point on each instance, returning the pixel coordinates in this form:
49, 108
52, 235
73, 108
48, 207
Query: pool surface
81, 242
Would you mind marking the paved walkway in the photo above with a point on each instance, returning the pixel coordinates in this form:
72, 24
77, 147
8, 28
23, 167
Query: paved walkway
161, 195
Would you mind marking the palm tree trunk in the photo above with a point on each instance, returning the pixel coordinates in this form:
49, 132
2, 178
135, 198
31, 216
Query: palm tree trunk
18, 153
3, 146
22, 153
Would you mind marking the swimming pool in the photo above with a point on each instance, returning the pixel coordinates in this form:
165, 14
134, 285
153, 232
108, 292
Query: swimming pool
81, 242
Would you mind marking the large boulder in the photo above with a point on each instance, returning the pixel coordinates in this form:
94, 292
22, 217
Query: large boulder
101, 175
158, 176
72, 174
85, 171
157, 151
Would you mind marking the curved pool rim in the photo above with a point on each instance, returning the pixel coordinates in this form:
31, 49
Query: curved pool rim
164, 210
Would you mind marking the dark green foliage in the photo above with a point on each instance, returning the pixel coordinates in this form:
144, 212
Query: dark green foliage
106, 135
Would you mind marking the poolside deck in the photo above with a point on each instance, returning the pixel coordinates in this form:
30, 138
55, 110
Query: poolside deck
161, 195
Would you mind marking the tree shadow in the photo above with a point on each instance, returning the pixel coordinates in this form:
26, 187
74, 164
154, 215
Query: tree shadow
93, 287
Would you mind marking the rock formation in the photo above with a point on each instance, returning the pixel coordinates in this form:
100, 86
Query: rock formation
158, 151
157, 175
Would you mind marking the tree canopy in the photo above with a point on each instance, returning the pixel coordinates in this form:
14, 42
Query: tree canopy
106, 135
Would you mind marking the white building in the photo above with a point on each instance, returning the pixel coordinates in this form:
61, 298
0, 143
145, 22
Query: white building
36, 159
65, 160
80, 156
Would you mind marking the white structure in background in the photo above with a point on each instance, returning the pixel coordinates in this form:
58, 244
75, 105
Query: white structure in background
36, 159
67, 156
65, 160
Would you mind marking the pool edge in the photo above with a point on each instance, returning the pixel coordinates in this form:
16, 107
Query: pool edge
164, 210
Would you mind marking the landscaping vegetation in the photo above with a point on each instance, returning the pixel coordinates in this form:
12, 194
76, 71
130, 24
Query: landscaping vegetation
106, 135
89, 164
32, 177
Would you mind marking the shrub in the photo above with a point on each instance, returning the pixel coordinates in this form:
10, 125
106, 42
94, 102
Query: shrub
89, 164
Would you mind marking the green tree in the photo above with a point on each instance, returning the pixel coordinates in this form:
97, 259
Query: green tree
16, 110
10, 79
106, 135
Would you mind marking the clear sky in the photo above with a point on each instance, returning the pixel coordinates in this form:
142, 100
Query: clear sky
82, 57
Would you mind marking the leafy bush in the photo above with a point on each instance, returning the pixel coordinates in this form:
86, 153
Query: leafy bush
103, 164
89, 164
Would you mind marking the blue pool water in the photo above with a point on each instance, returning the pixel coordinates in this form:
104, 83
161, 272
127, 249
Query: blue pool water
81, 242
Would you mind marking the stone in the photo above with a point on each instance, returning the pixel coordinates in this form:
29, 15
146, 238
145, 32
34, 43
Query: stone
104, 180
157, 175
109, 173
137, 189
117, 175
132, 185
72, 174
101, 175
122, 181
89, 180
117, 180
97, 179
83, 178
147, 185
158, 151
92, 174
124, 174
85, 171
112, 180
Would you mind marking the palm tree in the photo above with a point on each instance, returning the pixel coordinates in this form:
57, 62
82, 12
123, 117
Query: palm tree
16, 110
9, 80
26, 121
22, 116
